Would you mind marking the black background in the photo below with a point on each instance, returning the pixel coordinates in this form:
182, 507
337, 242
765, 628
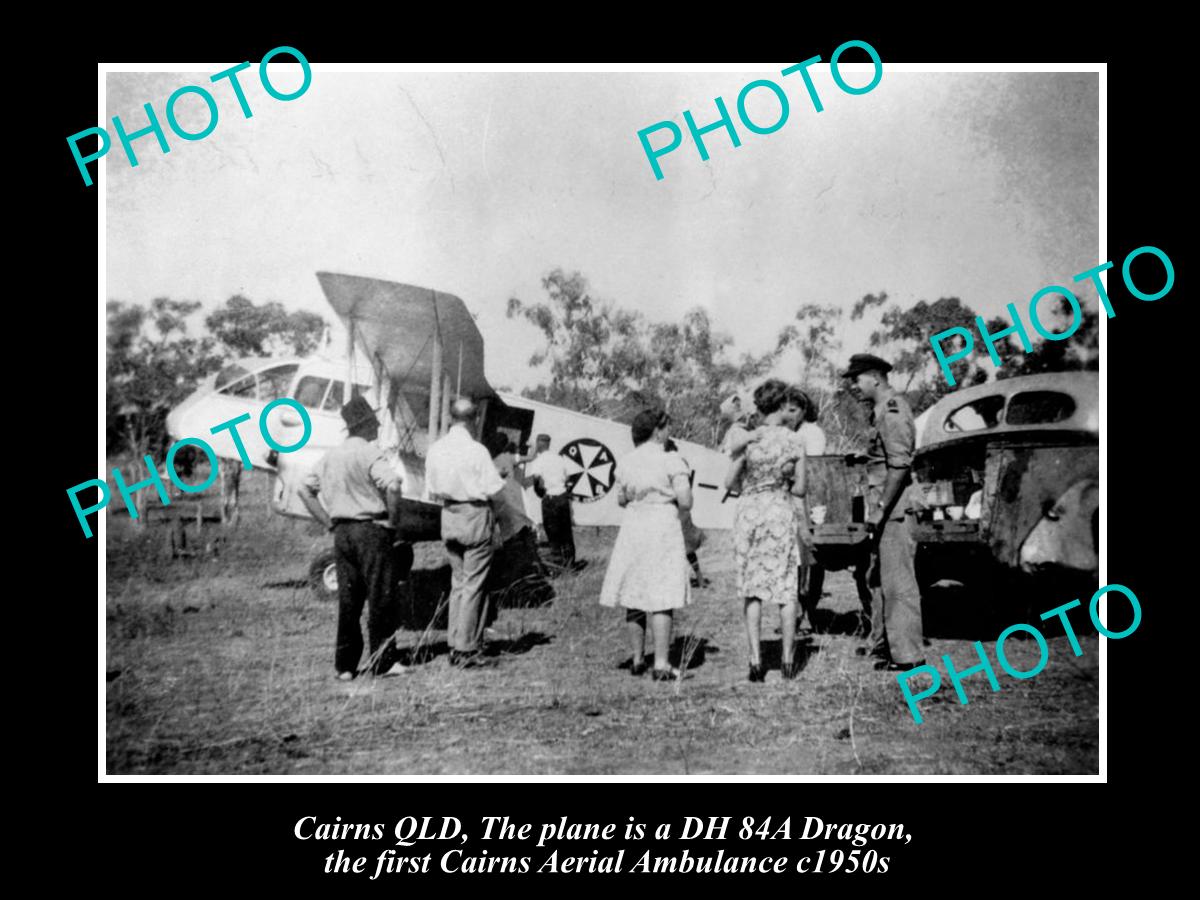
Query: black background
963, 834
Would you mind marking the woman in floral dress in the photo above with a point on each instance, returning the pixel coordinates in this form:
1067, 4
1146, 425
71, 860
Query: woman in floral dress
765, 530
648, 570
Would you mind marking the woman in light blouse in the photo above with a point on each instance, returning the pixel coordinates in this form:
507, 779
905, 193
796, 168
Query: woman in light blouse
648, 572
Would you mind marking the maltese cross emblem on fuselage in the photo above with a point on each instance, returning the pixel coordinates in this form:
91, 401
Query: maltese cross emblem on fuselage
592, 467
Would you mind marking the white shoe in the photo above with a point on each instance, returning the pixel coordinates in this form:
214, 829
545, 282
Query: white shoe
396, 669
345, 676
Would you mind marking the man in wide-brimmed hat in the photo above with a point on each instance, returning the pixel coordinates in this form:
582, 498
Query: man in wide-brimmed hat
896, 640
361, 491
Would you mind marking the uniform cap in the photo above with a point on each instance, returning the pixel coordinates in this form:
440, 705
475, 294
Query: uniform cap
866, 362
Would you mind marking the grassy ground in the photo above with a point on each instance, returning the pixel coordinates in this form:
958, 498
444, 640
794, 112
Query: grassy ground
224, 664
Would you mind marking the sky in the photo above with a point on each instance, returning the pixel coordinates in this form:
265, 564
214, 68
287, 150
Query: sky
980, 186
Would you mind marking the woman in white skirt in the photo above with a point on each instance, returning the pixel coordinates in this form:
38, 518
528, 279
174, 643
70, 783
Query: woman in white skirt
648, 571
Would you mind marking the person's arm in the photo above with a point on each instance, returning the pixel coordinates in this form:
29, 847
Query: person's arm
309, 489
897, 479
490, 482
734, 473
899, 434
387, 482
799, 491
680, 481
516, 471
740, 438
683, 492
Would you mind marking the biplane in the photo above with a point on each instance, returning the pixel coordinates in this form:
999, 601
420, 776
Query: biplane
410, 351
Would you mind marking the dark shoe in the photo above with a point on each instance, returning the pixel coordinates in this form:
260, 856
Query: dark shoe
638, 668
886, 665
788, 670
757, 672
669, 674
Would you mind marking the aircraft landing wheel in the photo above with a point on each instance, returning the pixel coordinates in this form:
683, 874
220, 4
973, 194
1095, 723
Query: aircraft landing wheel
322, 576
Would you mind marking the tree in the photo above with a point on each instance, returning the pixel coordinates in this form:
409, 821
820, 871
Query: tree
607, 361
905, 339
151, 364
591, 346
1080, 351
244, 329
814, 335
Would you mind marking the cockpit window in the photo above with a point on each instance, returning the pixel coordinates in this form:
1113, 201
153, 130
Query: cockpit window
244, 388
228, 375
310, 391
1040, 408
976, 416
335, 398
274, 383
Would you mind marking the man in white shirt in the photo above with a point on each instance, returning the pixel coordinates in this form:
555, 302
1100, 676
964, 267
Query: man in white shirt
460, 474
549, 473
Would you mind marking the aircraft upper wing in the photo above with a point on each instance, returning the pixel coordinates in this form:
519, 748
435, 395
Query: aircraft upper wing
396, 323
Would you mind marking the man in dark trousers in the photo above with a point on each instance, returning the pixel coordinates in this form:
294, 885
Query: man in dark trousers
361, 493
549, 472
896, 640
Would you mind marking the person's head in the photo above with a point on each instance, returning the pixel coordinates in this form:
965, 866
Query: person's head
795, 406
463, 411
769, 396
543, 443
650, 424
360, 419
866, 377
497, 442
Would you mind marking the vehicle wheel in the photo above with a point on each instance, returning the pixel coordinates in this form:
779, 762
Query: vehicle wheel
322, 576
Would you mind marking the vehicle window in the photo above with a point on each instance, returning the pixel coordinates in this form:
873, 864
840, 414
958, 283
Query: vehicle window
975, 416
243, 388
310, 390
274, 383
1039, 408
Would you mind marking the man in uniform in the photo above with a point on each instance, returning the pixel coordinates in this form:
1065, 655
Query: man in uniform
549, 473
361, 491
460, 474
896, 638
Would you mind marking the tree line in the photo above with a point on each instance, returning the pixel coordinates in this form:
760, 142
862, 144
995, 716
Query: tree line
612, 362
599, 358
